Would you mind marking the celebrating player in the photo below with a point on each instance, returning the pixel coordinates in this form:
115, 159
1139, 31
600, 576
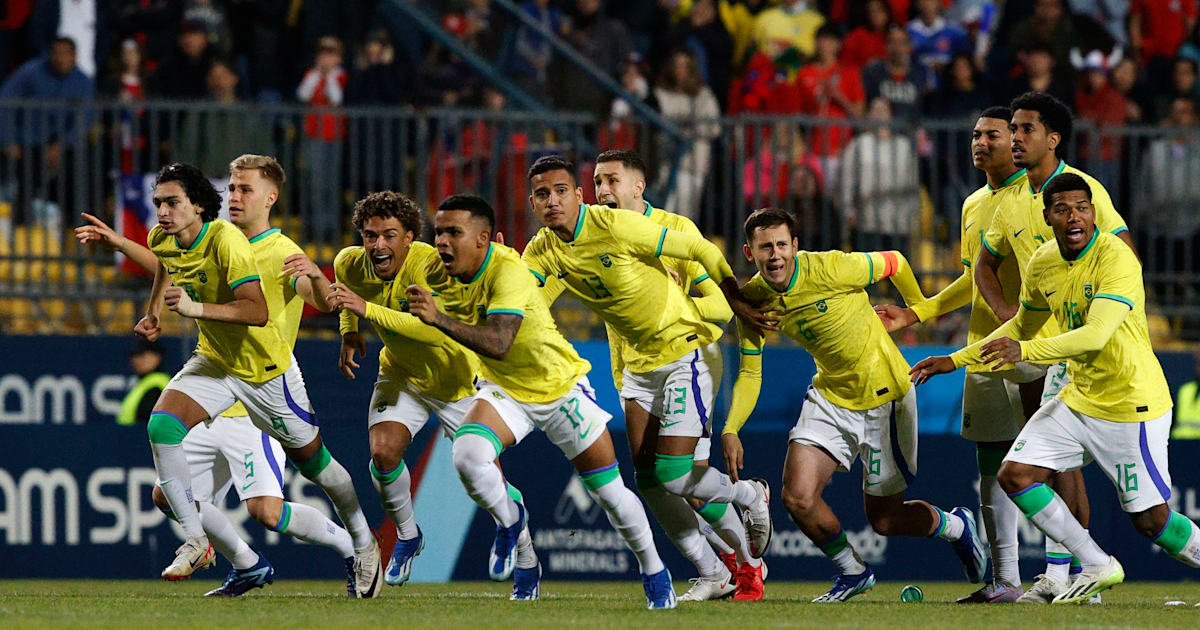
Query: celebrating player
242, 356
1116, 408
610, 260
421, 370
860, 404
532, 379
993, 411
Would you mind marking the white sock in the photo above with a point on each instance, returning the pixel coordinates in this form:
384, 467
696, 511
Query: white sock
339, 487
678, 520
224, 537
1047, 510
710, 485
527, 557
395, 493
1001, 518
713, 538
628, 517
304, 522
175, 480
728, 526
473, 459
951, 525
1058, 560
842, 553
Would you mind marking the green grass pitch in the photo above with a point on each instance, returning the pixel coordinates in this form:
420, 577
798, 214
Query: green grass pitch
130, 605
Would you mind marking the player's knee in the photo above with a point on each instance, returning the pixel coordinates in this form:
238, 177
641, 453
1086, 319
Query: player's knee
1013, 479
1150, 523
165, 428
385, 459
160, 500
882, 523
674, 472
798, 503
265, 510
472, 450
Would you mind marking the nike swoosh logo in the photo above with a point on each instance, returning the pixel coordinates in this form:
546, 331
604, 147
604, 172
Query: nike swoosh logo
249, 484
670, 424
1051, 293
1018, 232
561, 276
585, 433
1123, 502
968, 228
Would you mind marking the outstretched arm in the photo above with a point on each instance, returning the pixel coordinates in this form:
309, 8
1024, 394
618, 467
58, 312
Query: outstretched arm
493, 338
404, 324
99, 232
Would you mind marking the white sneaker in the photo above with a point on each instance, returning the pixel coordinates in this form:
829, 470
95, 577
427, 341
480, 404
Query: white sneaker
194, 553
704, 589
1091, 581
1094, 600
757, 520
368, 573
1044, 590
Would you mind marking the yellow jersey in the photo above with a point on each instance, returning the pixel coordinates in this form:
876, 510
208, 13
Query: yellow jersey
444, 370
826, 310
217, 262
1123, 381
613, 266
541, 366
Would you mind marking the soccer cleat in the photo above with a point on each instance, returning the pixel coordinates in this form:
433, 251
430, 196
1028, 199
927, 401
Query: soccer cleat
1091, 581
193, 554
757, 520
527, 583
239, 581
749, 584
847, 586
660, 593
368, 573
704, 589
729, 560
503, 558
993, 593
351, 589
1094, 599
1043, 591
400, 566
969, 547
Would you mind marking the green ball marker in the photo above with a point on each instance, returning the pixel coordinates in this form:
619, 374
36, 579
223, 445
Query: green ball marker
912, 593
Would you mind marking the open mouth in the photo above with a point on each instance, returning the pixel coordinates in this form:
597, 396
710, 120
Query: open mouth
775, 267
1074, 235
381, 261
447, 259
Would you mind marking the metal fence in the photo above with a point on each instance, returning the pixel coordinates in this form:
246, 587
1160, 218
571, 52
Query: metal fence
852, 185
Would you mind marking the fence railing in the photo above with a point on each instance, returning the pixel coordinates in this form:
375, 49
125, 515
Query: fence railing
851, 184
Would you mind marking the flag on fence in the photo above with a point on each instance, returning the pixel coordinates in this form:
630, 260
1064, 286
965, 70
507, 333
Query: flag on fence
135, 215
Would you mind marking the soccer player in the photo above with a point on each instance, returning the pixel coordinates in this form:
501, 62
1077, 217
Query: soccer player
532, 379
620, 179
1041, 129
242, 356
993, 411
421, 370
1116, 408
860, 404
610, 260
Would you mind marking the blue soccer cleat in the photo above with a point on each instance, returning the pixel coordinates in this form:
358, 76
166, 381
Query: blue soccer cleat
970, 548
660, 593
239, 581
847, 586
527, 583
504, 549
400, 566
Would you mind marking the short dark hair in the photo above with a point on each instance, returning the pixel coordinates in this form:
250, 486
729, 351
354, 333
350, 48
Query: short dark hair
388, 204
1054, 114
64, 40
195, 185
1065, 182
769, 217
829, 29
997, 111
476, 205
628, 159
548, 163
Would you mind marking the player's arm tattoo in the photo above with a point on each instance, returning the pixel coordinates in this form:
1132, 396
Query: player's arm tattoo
493, 338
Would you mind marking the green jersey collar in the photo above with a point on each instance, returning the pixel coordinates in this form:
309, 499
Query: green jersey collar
487, 259
649, 208
795, 274
578, 224
264, 235
195, 243
1062, 166
1086, 248
1008, 182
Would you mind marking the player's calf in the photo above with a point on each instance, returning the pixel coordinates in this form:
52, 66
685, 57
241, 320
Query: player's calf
1173, 532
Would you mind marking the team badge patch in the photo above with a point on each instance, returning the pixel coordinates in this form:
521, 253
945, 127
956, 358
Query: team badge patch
605, 260
822, 306
203, 277
1019, 445
1087, 291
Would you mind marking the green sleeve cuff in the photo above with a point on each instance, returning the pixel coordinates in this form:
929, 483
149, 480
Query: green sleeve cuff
1031, 307
240, 281
1109, 296
506, 311
989, 248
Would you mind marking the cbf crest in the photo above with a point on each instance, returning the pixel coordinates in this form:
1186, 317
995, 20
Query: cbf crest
1087, 291
606, 260
203, 277
822, 306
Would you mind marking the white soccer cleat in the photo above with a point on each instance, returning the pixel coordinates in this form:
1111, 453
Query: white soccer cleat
1091, 581
704, 589
193, 554
1043, 591
368, 573
757, 520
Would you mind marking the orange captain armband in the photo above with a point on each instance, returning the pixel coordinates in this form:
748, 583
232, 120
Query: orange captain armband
890, 264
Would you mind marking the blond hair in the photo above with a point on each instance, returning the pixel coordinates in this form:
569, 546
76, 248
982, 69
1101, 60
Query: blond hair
267, 165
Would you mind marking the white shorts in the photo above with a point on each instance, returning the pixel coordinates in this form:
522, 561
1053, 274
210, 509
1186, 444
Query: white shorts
279, 406
1132, 454
1056, 380
716, 364
233, 452
884, 437
395, 400
992, 410
573, 422
679, 394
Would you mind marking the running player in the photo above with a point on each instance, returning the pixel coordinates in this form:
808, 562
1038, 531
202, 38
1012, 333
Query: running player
860, 404
1116, 409
532, 379
610, 260
620, 179
241, 356
1041, 129
993, 412
421, 370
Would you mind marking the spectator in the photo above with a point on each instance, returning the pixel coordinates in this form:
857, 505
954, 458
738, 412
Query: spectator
688, 103
209, 136
896, 78
1099, 103
257, 32
185, 74
1183, 85
934, 40
376, 79
487, 28
323, 86
829, 89
1109, 15
767, 172
12, 27
790, 24
878, 189
145, 358
739, 19
819, 222
841, 11
212, 17
530, 63
446, 80
1125, 81
127, 83
1040, 74
1048, 27
620, 132
602, 41
1157, 28
1170, 191
961, 95
704, 34
868, 42
84, 22
153, 23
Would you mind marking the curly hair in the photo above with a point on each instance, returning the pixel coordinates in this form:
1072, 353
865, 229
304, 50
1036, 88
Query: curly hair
195, 185
388, 204
1054, 114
